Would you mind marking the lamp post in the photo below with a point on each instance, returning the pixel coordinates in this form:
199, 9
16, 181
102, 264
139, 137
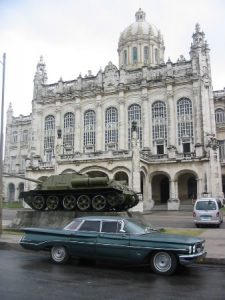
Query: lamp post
1, 139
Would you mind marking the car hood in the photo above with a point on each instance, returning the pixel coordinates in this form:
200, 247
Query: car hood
169, 238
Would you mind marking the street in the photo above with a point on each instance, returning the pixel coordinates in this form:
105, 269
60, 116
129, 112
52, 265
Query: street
27, 275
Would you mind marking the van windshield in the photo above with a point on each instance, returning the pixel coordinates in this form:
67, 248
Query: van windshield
206, 205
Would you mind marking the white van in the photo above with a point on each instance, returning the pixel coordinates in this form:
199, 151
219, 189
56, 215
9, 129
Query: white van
208, 211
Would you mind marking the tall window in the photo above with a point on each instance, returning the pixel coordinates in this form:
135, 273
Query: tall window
111, 128
220, 116
146, 53
125, 57
156, 56
135, 55
159, 122
222, 150
49, 137
14, 136
134, 114
68, 131
89, 130
184, 118
25, 136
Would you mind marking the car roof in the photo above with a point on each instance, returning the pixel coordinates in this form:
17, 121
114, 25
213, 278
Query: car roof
115, 218
206, 198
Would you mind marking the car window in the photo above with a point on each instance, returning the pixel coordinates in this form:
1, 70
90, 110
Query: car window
90, 226
206, 205
109, 226
73, 225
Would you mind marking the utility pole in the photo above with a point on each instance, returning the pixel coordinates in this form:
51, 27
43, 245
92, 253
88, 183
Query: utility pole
2, 139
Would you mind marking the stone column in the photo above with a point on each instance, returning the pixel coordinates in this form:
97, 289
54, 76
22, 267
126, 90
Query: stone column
78, 127
99, 128
146, 131
173, 202
122, 120
148, 201
171, 112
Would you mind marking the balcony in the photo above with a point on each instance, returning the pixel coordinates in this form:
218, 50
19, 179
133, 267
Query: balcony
164, 157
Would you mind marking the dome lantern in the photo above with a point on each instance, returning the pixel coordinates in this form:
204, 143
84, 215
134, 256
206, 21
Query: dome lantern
140, 44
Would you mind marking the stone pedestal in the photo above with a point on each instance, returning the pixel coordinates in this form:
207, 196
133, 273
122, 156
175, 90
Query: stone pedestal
148, 205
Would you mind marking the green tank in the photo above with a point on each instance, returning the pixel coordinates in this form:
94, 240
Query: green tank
80, 192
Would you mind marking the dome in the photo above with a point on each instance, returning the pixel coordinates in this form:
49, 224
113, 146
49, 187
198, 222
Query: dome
139, 29
140, 44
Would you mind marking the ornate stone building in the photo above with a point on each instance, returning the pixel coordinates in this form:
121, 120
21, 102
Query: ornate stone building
85, 125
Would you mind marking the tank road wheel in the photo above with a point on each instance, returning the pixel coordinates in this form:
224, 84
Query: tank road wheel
59, 254
114, 199
52, 202
99, 202
38, 202
164, 263
69, 202
83, 202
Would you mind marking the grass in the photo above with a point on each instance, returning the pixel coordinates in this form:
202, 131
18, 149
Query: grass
16, 204
12, 232
192, 232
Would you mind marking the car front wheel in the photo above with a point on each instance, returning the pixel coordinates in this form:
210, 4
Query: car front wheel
164, 263
59, 254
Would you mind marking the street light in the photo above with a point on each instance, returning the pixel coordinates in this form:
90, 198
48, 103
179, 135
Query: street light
1, 139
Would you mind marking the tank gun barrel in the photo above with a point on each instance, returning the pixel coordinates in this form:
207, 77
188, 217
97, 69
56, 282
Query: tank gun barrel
22, 177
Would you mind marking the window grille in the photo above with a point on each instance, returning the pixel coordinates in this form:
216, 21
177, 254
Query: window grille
134, 114
111, 128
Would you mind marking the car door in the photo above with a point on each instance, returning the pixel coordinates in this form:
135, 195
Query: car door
112, 244
83, 241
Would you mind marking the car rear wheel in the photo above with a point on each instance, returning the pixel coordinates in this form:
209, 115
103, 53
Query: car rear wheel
163, 262
59, 254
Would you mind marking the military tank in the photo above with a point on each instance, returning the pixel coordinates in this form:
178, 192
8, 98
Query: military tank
80, 192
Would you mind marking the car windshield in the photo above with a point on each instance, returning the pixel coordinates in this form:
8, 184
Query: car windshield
137, 227
206, 205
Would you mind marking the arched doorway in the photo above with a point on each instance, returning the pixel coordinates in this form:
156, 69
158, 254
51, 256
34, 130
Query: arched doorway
121, 176
187, 187
160, 189
11, 192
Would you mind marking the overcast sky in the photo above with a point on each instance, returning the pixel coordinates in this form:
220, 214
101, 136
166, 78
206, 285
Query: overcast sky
75, 36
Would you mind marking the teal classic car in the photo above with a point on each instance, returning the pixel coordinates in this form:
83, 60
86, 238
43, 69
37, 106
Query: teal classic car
115, 239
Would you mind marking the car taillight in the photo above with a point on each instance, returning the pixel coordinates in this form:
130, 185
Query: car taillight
194, 214
217, 214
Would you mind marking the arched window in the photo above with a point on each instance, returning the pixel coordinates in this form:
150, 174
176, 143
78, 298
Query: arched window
125, 57
68, 131
111, 128
134, 114
49, 137
184, 118
159, 122
134, 54
89, 130
220, 116
146, 54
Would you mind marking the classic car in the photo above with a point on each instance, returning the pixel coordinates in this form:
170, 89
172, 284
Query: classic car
115, 239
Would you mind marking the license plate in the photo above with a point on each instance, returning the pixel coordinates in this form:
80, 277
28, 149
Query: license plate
206, 218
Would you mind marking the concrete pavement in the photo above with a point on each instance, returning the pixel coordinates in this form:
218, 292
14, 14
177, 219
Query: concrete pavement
214, 237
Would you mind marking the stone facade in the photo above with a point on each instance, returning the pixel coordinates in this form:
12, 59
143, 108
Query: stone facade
85, 125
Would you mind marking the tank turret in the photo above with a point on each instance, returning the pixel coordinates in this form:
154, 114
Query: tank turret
80, 192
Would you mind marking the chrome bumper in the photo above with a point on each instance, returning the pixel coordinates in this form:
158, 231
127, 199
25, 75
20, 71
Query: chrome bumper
191, 258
